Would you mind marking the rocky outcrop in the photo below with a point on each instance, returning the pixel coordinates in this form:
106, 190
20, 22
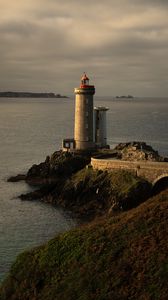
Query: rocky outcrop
59, 165
17, 178
66, 179
137, 151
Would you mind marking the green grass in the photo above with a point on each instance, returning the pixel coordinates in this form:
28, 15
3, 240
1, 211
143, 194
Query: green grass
122, 257
96, 191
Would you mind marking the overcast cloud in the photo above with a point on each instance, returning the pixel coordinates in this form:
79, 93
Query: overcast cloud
45, 45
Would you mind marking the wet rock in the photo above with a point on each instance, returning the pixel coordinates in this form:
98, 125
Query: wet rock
38, 194
17, 178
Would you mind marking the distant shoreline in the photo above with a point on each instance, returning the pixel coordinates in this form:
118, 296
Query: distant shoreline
124, 97
30, 95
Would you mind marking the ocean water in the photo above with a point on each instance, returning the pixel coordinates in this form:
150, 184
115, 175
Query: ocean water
31, 129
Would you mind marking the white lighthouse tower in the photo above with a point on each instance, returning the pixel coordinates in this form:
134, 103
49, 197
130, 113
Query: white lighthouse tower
83, 133
90, 123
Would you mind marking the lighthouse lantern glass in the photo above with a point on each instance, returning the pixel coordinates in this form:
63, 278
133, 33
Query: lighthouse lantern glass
85, 81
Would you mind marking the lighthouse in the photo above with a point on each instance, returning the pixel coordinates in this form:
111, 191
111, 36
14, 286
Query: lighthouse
90, 122
83, 131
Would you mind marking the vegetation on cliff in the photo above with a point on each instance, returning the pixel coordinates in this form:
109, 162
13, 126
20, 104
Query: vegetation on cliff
117, 257
68, 180
91, 193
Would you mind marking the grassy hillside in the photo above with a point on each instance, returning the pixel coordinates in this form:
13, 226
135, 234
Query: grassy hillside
93, 192
89, 193
119, 258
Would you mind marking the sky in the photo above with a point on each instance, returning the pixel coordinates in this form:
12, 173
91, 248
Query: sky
122, 45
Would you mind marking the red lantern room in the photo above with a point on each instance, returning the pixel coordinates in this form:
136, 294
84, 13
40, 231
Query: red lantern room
85, 82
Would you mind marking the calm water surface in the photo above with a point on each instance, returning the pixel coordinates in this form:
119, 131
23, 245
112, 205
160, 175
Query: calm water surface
30, 129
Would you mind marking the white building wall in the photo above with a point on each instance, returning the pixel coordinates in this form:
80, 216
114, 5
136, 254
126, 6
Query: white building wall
100, 131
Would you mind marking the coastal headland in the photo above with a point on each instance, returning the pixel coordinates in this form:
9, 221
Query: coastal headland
68, 179
120, 250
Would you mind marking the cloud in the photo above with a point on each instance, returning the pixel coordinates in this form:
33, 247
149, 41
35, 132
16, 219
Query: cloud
47, 44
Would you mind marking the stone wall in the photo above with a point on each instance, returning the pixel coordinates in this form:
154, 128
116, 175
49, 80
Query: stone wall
152, 171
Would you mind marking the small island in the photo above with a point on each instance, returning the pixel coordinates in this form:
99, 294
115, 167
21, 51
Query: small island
30, 95
124, 97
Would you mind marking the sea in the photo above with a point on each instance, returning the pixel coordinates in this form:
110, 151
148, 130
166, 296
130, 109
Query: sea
31, 129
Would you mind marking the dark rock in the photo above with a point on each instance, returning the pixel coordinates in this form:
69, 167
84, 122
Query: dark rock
38, 194
137, 151
59, 164
17, 178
